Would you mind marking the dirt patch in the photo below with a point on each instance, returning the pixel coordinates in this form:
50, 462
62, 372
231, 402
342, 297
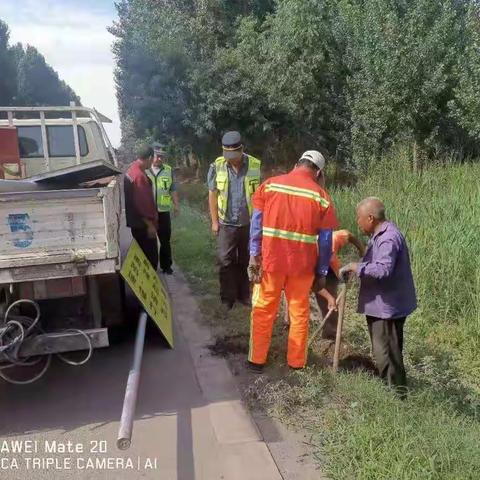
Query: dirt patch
358, 362
229, 345
350, 360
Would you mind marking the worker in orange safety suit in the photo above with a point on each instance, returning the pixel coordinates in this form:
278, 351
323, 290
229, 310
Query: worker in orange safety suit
290, 247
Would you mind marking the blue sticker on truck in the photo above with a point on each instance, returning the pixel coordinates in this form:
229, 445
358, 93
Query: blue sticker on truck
20, 223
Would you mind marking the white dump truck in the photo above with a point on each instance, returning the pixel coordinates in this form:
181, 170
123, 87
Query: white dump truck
60, 214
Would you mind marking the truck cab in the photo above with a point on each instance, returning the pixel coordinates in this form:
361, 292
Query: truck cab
52, 138
60, 144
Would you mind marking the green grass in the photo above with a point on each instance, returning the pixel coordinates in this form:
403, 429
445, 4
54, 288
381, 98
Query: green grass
195, 248
361, 430
195, 251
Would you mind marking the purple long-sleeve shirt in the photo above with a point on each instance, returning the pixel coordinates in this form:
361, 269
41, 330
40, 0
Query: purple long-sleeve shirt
387, 289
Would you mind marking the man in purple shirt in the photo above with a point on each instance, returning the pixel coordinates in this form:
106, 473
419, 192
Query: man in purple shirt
387, 292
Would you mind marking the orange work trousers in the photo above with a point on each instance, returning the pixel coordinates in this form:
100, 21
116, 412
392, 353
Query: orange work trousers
265, 301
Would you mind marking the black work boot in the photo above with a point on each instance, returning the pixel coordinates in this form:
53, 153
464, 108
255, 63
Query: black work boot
255, 367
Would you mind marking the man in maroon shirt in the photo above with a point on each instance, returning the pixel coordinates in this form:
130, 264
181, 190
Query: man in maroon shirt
140, 208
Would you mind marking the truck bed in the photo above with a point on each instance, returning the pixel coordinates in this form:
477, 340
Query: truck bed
59, 233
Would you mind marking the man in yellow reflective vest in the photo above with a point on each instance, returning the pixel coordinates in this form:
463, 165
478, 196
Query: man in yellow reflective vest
232, 180
166, 198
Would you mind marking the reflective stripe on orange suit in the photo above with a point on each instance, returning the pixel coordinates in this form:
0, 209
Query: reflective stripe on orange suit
294, 209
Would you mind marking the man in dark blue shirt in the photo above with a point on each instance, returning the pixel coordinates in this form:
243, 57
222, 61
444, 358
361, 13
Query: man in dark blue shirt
232, 180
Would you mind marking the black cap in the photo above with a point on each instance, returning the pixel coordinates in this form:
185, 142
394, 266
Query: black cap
232, 141
159, 148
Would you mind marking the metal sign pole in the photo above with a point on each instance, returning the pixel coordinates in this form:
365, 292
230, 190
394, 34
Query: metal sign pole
130, 402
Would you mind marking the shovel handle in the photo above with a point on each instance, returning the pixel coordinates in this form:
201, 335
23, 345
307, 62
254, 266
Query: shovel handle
338, 339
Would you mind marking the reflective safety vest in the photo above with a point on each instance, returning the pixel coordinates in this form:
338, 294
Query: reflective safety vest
252, 181
161, 184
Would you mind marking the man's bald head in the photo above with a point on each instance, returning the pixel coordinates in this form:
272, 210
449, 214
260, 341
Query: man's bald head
370, 213
373, 206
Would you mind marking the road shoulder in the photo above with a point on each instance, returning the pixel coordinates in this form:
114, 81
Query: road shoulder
267, 443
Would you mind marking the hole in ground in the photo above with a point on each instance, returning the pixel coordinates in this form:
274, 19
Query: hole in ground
229, 345
358, 362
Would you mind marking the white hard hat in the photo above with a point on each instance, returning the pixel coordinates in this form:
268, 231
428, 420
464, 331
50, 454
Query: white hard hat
315, 157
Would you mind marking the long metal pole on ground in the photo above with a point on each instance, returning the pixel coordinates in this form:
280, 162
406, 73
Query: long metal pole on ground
130, 402
338, 339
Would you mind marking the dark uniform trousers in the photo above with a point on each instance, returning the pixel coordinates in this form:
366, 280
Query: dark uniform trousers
147, 244
387, 347
164, 235
233, 258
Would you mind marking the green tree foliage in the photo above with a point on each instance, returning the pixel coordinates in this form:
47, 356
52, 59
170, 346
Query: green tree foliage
351, 77
466, 104
38, 83
7, 67
26, 78
152, 58
401, 56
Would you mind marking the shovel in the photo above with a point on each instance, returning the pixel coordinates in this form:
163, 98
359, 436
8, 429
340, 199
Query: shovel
324, 321
342, 296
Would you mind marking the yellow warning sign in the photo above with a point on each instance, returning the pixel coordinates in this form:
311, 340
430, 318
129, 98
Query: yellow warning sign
143, 280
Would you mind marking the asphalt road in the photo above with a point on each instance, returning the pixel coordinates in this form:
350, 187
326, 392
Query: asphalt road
190, 421
65, 425
82, 405
80, 408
